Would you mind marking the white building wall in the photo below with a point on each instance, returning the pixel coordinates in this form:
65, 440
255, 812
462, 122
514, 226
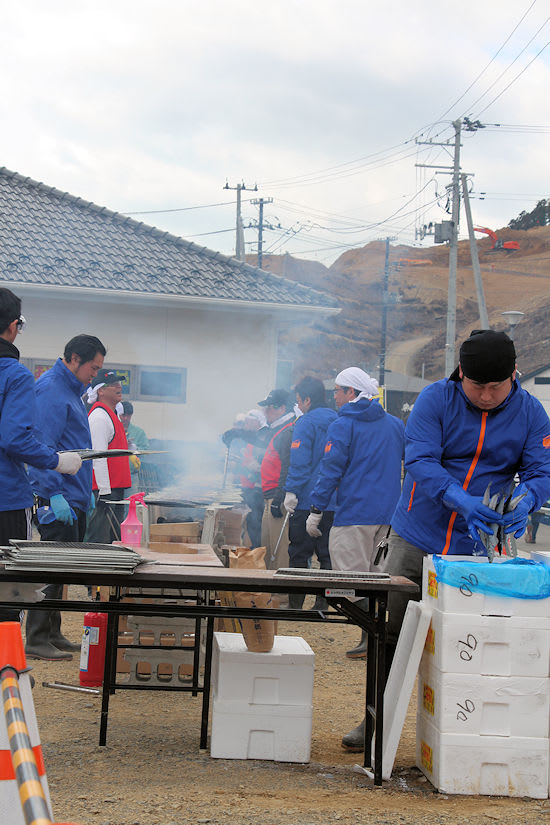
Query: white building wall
540, 391
230, 356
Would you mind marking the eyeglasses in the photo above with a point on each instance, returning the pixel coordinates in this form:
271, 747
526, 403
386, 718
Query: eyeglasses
21, 323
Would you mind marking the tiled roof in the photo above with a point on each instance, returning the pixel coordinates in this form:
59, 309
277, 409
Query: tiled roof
50, 237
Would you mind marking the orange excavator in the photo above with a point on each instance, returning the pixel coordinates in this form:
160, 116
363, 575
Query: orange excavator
497, 245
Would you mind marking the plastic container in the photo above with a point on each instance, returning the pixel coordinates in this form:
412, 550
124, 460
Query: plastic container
132, 528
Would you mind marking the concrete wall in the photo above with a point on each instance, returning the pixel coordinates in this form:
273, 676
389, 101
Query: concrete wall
230, 356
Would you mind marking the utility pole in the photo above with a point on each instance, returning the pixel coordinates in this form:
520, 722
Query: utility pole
453, 239
475, 258
453, 256
260, 203
239, 241
385, 301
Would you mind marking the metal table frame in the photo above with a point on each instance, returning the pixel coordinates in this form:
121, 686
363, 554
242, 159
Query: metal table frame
222, 579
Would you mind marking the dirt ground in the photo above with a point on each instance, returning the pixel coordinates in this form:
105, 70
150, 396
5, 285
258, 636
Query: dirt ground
152, 773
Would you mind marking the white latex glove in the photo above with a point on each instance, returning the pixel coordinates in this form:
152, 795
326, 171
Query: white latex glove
69, 463
290, 503
312, 525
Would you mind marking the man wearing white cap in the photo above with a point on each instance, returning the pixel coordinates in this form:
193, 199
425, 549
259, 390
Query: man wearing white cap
362, 463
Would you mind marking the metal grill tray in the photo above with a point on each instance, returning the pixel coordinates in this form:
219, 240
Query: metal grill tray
70, 556
330, 575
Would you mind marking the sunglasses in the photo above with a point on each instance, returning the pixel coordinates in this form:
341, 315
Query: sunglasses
21, 323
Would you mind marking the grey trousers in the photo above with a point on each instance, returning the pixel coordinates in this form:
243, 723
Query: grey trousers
402, 559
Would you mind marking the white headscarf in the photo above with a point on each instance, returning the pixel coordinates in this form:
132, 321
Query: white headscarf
359, 380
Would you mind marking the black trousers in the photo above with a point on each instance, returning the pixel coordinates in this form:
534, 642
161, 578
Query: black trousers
14, 524
302, 546
45, 625
104, 521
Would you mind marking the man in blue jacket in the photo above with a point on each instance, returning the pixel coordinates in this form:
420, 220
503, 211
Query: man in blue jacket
306, 451
63, 502
362, 462
476, 427
18, 444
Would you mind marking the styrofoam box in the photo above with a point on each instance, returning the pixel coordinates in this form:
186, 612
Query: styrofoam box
487, 765
284, 676
281, 733
466, 600
488, 645
484, 705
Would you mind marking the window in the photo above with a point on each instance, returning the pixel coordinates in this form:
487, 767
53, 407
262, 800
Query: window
161, 384
283, 378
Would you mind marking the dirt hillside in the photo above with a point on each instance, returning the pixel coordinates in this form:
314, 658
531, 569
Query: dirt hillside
517, 280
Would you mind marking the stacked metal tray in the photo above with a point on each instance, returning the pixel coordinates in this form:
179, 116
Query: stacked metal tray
70, 557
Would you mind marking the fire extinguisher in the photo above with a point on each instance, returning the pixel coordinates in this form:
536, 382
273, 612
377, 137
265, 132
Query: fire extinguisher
92, 652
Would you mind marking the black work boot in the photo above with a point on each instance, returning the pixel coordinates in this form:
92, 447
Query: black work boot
61, 643
360, 651
354, 741
45, 650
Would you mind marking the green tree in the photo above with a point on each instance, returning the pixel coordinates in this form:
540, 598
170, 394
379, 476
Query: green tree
540, 216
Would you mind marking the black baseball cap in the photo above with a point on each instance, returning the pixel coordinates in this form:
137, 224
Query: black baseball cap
276, 398
107, 377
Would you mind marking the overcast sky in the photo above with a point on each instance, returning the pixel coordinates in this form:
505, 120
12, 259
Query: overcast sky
146, 106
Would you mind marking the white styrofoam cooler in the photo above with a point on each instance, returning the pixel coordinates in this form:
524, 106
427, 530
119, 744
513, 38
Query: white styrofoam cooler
488, 765
484, 705
262, 702
278, 732
284, 676
488, 645
466, 599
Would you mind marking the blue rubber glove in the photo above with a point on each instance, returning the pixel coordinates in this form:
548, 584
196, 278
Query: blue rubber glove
476, 514
62, 510
515, 521
91, 505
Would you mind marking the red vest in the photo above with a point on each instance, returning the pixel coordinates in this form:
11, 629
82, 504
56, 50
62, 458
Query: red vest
119, 468
271, 462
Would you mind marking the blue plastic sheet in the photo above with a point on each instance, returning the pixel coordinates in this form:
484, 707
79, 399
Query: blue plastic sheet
517, 578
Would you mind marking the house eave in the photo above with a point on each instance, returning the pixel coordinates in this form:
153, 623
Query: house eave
184, 301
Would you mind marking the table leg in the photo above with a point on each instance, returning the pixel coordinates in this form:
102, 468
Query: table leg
206, 682
110, 648
381, 605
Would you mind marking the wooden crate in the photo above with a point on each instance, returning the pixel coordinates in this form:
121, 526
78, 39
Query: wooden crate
179, 533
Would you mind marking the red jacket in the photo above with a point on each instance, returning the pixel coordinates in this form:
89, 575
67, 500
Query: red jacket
119, 468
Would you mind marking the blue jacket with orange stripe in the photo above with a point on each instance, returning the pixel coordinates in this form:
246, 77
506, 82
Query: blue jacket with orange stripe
448, 439
306, 451
363, 462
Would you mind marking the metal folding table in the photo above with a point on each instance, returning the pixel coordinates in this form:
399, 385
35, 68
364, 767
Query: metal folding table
214, 579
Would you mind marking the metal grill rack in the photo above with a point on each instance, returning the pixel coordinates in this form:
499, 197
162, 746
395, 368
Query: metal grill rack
331, 575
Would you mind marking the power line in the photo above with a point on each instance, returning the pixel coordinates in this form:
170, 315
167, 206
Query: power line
491, 61
509, 66
180, 209
513, 80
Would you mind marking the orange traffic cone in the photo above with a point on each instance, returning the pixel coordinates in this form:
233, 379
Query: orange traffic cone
23, 782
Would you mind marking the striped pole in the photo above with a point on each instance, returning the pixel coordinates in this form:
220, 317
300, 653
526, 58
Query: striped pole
31, 793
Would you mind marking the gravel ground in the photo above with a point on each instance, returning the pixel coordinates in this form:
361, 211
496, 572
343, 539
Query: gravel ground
152, 773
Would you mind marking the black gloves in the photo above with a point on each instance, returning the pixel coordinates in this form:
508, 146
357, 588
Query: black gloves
276, 505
